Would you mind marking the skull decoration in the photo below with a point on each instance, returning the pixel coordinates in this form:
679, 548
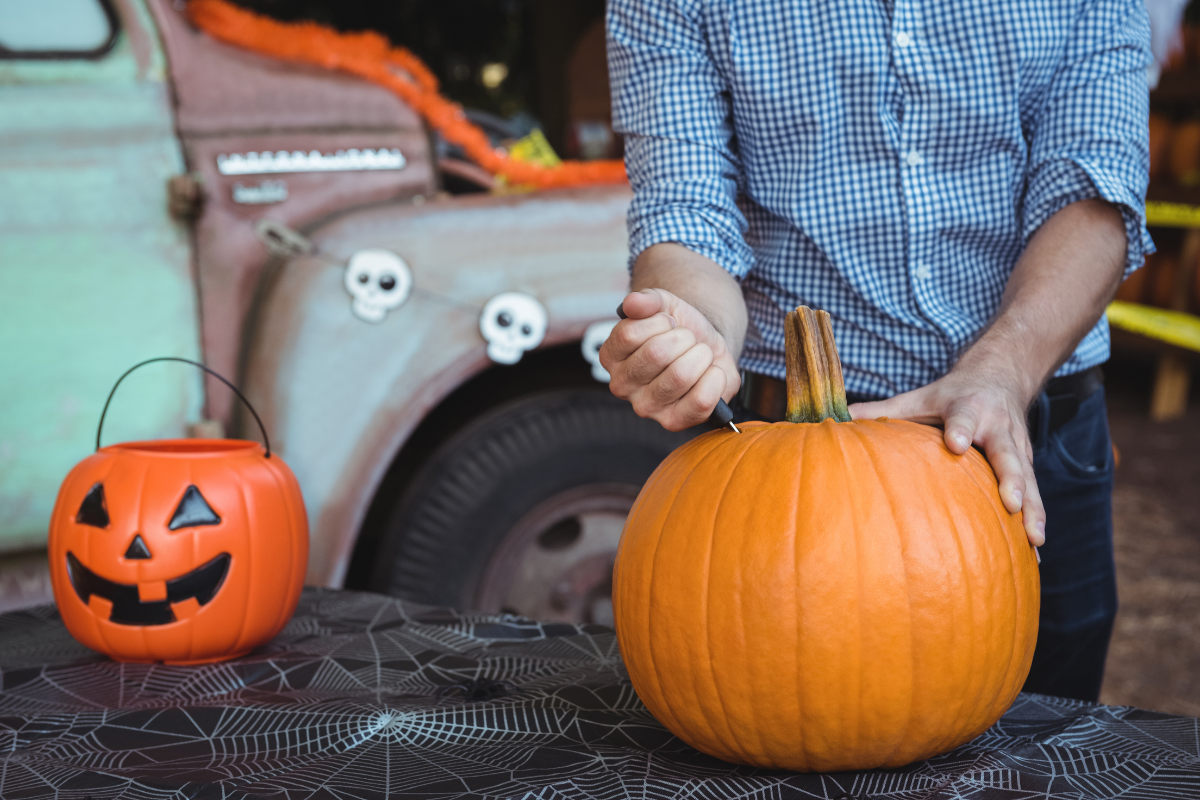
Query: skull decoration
512, 323
379, 281
593, 339
183, 551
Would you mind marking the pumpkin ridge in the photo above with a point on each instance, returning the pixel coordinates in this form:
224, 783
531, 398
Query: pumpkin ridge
648, 645
708, 584
796, 593
1003, 685
858, 605
949, 709
275, 626
275, 467
973, 705
141, 525
696, 469
986, 699
1009, 685
631, 523
648, 648
193, 534
970, 600
968, 703
879, 469
247, 556
796, 468
273, 470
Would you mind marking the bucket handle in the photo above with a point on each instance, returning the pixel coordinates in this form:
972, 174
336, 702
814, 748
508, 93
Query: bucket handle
215, 374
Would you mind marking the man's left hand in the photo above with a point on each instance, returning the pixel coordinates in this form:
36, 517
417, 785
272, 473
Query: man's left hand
975, 410
1056, 292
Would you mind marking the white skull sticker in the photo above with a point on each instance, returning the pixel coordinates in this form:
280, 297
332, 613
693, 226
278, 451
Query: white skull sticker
593, 339
379, 281
512, 323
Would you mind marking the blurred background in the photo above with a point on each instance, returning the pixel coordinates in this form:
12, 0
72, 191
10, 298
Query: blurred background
533, 63
127, 231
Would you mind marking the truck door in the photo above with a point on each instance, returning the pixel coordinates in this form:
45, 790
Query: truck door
94, 274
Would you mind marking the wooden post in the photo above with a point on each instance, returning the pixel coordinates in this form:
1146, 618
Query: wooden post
1174, 377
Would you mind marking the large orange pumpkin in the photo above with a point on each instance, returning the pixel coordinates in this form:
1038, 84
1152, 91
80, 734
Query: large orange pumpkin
183, 550
824, 595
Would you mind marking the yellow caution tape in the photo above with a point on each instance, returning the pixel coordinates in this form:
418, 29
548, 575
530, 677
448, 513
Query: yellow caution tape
1173, 215
1172, 327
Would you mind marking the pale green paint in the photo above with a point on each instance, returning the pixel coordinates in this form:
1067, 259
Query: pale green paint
70, 25
94, 275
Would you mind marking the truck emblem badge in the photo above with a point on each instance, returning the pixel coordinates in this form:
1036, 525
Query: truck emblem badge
379, 281
265, 192
512, 322
268, 162
593, 338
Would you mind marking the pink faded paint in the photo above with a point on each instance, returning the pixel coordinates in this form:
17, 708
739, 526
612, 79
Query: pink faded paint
139, 37
341, 396
230, 101
220, 89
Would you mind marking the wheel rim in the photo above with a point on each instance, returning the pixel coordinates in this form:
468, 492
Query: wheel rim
556, 562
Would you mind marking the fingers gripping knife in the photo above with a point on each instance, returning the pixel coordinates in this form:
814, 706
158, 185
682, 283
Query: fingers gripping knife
722, 415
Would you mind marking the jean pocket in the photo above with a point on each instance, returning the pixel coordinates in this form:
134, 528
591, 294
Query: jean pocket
1083, 444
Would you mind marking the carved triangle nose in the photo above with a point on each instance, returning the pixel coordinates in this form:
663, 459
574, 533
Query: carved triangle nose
137, 549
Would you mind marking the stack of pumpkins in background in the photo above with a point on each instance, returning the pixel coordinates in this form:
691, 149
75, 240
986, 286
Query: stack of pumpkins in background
1174, 174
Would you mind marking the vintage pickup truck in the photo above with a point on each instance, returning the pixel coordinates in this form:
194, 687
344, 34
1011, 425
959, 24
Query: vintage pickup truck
163, 194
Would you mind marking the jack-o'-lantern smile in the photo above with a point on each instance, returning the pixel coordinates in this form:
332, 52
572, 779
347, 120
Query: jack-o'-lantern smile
153, 602
128, 608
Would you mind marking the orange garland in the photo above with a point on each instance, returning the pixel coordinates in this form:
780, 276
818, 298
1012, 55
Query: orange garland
369, 55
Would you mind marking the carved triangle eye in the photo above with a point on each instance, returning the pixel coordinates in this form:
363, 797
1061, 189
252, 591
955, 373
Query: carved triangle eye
137, 549
193, 510
93, 510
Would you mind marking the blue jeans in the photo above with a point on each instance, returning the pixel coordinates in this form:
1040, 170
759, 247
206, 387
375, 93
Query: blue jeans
1074, 469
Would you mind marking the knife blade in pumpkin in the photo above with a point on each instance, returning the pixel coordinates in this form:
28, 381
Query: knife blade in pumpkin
722, 415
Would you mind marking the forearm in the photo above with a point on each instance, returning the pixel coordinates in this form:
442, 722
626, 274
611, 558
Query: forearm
1058, 289
700, 282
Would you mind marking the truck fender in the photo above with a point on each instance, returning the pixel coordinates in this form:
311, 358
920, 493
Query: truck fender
341, 395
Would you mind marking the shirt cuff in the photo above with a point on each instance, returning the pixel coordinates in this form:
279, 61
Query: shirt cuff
692, 229
1062, 182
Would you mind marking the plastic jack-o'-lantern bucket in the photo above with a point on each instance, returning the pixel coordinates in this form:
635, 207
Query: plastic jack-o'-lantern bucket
178, 550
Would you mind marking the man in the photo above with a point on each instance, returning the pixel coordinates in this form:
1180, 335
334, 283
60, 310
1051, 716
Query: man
960, 185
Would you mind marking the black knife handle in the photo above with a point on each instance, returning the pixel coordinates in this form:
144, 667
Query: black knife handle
722, 415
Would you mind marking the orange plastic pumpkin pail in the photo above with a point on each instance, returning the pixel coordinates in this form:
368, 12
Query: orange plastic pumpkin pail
178, 550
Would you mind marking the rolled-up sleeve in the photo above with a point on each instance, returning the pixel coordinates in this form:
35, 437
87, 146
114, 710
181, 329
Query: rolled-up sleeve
672, 105
1091, 137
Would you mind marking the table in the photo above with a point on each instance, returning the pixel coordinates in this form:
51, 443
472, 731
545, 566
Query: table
365, 696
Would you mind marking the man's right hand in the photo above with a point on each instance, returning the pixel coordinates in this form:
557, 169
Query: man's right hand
668, 360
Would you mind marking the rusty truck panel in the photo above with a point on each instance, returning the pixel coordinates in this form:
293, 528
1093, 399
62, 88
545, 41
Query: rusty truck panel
231, 105
341, 395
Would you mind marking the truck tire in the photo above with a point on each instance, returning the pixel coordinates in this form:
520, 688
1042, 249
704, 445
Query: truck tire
521, 511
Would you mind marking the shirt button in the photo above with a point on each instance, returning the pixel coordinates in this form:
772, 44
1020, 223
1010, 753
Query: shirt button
924, 272
903, 39
914, 159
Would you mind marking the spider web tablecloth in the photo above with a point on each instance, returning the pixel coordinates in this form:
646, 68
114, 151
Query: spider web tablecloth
347, 703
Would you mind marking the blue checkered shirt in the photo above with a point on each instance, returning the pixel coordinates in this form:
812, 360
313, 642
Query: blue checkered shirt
886, 161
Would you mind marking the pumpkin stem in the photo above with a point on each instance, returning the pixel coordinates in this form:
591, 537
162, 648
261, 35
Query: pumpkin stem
816, 390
